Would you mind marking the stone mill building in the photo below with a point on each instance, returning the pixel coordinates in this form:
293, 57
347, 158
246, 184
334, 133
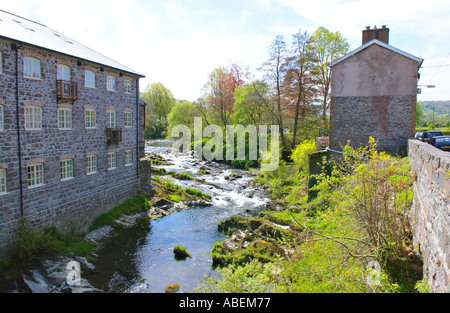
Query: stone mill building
374, 94
71, 129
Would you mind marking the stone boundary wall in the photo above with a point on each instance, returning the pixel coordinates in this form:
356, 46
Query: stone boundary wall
430, 213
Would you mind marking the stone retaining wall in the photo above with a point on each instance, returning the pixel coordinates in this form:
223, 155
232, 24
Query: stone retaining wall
430, 213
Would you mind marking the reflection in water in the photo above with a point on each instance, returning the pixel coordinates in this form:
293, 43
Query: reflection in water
140, 259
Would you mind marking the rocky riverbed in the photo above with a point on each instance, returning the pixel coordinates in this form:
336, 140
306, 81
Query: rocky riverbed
135, 254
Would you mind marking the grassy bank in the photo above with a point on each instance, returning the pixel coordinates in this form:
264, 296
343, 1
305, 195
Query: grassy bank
33, 246
355, 236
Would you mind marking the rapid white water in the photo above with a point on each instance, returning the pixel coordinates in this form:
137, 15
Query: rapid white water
141, 259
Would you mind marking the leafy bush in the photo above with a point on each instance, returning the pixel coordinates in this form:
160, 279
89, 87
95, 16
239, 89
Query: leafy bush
253, 277
33, 245
301, 153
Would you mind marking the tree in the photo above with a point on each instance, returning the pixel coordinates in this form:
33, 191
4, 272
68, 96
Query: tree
251, 104
299, 84
219, 92
326, 47
274, 71
160, 101
182, 113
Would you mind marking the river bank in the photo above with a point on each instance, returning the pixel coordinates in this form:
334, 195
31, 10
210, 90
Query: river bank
135, 253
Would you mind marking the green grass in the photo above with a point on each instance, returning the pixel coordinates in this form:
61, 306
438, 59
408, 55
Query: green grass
32, 246
176, 198
131, 206
181, 252
158, 170
171, 185
197, 193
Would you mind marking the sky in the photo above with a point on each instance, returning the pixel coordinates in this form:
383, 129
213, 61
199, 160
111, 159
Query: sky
179, 42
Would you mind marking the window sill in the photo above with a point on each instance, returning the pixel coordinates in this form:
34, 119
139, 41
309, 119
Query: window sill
89, 87
3, 193
35, 186
91, 127
67, 179
65, 129
91, 173
34, 129
128, 165
112, 169
32, 78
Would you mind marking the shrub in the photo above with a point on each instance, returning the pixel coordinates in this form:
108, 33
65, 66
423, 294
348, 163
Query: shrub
33, 245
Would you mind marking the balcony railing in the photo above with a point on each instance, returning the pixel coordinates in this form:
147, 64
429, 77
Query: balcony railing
66, 90
114, 136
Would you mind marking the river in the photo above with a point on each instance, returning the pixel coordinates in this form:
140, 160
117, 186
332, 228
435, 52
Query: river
140, 258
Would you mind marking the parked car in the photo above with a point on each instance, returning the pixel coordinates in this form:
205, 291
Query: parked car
428, 134
441, 142
418, 136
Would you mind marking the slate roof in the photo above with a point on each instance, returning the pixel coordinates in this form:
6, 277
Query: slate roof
382, 44
35, 34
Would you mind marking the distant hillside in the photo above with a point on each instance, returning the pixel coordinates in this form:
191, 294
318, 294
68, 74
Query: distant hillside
441, 111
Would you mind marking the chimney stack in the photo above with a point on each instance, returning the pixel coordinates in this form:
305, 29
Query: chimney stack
382, 34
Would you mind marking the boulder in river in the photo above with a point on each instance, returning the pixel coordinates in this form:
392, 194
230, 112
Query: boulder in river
172, 288
181, 253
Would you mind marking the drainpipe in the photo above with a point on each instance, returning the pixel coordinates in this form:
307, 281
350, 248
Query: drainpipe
19, 147
137, 128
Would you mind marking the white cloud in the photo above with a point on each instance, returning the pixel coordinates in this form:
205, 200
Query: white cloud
416, 26
178, 42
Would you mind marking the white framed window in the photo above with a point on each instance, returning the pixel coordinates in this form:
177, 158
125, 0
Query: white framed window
89, 79
128, 86
128, 157
2, 126
63, 72
91, 164
66, 169
90, 118
1, 62
32, 68
128, 117
35, 175
33, 118
110, 119
110, 83
64, 118
112, 158
2, 181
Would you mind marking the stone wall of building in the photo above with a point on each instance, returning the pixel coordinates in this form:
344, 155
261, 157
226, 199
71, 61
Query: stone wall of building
374, 93
73, 203
388, 119
430, 214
